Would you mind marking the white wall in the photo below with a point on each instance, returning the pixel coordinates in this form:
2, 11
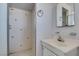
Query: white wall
65, 31
20, 33
3, 29
46, 25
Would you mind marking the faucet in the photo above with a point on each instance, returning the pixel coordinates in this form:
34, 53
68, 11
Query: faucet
60, 39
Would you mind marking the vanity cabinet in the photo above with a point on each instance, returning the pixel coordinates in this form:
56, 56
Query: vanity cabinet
47, 52
49, 49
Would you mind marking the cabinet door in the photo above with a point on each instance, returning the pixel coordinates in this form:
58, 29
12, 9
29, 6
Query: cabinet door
47, 52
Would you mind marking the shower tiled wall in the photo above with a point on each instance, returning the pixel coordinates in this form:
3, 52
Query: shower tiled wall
20, 33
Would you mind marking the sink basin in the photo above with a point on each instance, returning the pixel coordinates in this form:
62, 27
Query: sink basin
61, 44
66, 46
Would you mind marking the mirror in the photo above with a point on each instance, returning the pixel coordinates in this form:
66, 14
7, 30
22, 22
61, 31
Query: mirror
65, 14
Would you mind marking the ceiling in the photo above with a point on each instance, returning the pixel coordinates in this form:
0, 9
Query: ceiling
24, 6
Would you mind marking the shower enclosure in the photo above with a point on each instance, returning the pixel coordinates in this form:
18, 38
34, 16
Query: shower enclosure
21, 29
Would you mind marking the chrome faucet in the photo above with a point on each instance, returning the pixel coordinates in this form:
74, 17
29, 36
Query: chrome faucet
59, 37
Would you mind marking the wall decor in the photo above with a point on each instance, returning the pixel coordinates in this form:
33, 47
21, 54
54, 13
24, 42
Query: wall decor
40, 13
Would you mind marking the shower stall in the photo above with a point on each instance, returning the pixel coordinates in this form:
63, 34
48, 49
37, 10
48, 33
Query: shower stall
21, 29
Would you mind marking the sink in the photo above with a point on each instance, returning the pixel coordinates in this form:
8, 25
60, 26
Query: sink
61, 48
61, 44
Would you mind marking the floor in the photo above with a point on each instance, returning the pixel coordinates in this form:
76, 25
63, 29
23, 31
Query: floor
23, 53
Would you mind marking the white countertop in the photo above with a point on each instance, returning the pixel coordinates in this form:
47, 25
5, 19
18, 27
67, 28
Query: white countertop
66, 46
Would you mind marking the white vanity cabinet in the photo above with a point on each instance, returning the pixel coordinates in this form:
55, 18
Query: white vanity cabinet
50, 49
47, 52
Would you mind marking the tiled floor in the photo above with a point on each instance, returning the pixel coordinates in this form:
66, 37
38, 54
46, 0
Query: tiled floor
23, 53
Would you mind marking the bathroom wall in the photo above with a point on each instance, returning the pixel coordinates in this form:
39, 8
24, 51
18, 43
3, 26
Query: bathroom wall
46, 25
3, 29
20, 31
65, 31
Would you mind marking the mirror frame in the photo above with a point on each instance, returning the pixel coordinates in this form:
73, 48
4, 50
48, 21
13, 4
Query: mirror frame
61, 25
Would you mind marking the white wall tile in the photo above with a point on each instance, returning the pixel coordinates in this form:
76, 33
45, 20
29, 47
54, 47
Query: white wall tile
20, 32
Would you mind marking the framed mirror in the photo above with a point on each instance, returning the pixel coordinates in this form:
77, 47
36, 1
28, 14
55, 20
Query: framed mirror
65, 14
